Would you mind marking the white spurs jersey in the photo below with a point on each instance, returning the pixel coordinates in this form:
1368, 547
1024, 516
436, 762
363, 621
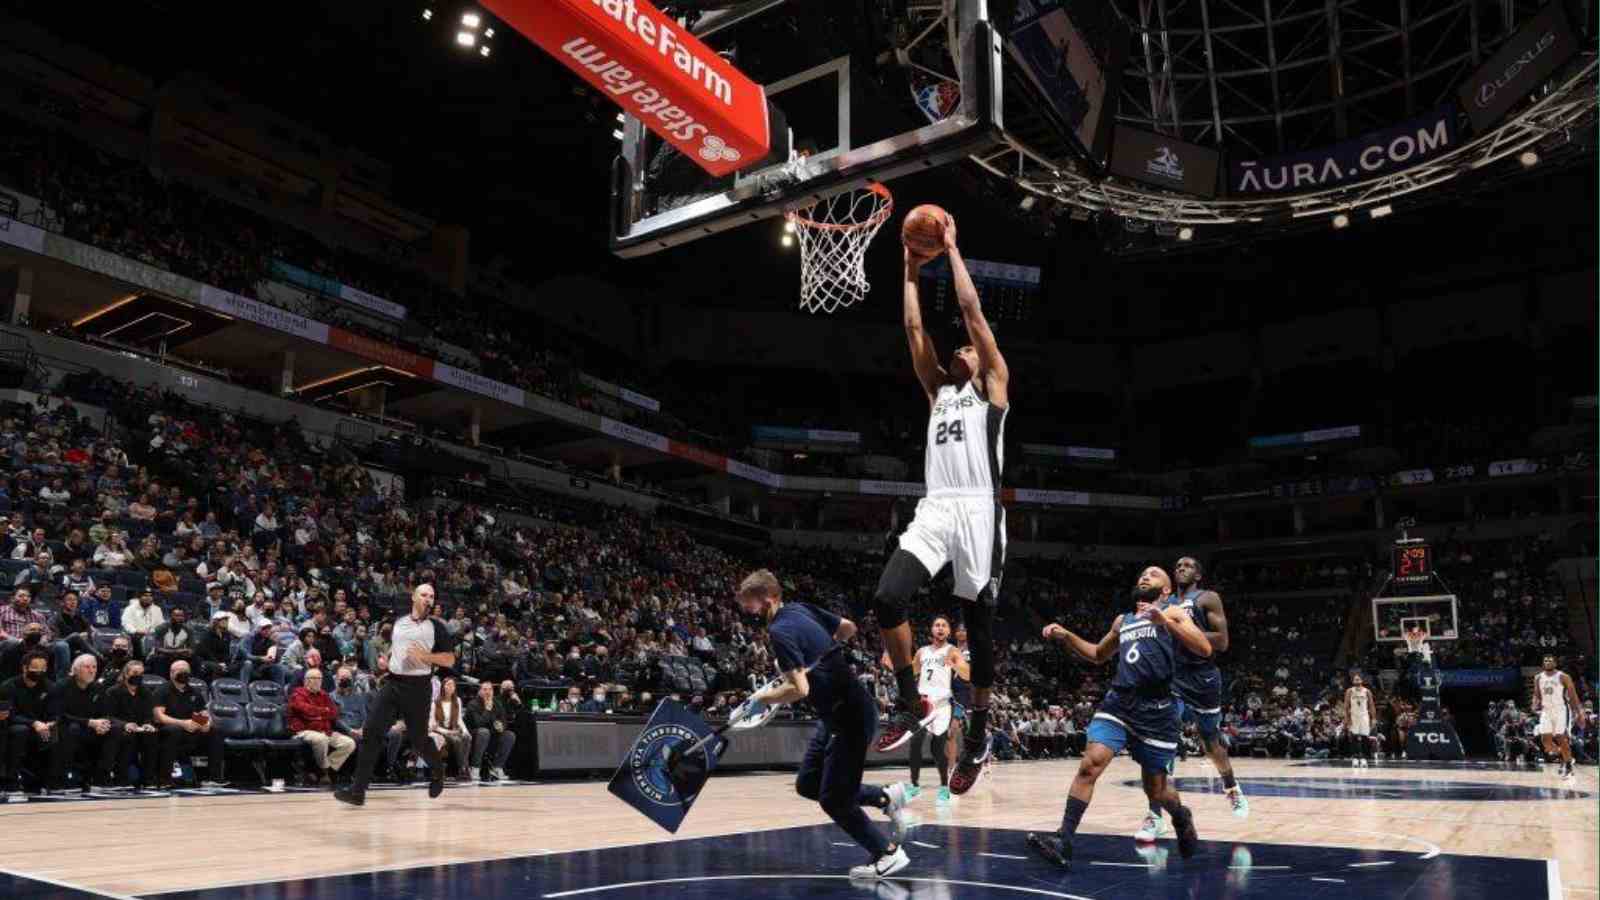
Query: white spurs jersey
935, 681
1552, 696
965, 449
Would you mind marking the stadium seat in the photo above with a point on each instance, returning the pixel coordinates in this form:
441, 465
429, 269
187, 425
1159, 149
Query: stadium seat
229, 690
269, 724
133, 580
153, 683
12, 568
103, 576
102, 638
267, 692
202, 688
231, 722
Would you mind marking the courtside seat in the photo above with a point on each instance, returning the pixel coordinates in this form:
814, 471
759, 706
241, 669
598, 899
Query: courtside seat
267, 692
229, 690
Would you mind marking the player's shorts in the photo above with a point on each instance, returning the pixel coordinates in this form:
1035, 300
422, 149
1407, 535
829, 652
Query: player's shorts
1148, 728
958, 712
1553, 723
1199, 694
1360, 727
943, 711
969, 532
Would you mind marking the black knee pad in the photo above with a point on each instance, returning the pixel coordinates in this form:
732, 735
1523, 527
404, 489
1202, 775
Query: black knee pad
900, 581
979, 616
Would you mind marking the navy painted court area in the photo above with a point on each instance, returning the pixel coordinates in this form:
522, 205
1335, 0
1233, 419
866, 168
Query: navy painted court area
948, 862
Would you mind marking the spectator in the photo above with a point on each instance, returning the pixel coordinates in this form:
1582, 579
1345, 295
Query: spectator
596, 704
170, 641
32, 546
76, 707
113, 553
352, 703
33, 629
491, 734
118, 659
128, 705
314, 718
213, 652
77, 580
71, 627
448, 728
31, 727
140, 619
259, 658
38, 575
185, 728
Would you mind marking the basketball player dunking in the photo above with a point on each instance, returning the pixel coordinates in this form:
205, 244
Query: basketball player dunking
961, 520
1138, 711
1197, 683
1554, 699
936, 665
1359, 713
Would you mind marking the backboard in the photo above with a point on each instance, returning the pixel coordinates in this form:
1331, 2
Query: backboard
1393, 616
834, 132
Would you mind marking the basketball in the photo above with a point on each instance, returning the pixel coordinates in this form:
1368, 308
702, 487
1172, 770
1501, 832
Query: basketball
923, 230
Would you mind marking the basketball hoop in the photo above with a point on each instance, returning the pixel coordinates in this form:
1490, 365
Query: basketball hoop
1416, 639
834, 234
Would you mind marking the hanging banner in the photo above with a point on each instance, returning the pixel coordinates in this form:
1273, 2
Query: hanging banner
1525, 59
1368, 156
656, 71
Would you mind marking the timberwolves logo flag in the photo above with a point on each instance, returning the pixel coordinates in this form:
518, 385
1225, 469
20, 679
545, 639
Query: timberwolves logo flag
643, 780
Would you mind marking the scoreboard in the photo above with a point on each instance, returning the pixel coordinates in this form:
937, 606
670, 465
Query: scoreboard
1413, 563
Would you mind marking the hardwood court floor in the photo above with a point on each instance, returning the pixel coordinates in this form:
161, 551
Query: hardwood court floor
189, 843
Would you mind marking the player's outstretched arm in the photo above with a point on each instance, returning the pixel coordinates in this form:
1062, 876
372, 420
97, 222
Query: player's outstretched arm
924, 359
1184, 629
1095, 653
1217, 619
997, 378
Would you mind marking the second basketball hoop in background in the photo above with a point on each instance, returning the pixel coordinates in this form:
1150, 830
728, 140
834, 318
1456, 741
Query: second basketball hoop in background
834, 235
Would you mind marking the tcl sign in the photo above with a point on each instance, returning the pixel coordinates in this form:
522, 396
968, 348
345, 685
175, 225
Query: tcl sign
656, 71
1434, 737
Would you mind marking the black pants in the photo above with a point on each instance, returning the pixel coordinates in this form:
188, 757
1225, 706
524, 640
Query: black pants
830, 772
176, 742
75, 737
21, 740
405, 698
937, 744
140, 747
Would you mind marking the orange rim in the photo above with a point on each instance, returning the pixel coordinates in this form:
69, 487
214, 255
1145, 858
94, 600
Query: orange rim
875, 219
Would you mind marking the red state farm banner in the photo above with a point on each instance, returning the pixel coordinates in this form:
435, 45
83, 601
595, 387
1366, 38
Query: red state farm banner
695, 454
655, 70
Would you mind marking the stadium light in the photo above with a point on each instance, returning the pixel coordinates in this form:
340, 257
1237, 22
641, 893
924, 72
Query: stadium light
1379, 212
471, 20
1341, 220
488, 32
1529, 159
617, 133
788, 228
427, 15
1185, 233
787, 240
466, 38
484, 50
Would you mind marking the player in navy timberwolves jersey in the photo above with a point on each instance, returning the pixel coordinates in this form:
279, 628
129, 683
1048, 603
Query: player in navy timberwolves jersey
1138, 711
960, 521
1197, 684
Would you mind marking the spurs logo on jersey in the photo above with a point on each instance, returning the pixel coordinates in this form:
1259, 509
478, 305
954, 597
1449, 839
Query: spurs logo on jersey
964, 452
936, 670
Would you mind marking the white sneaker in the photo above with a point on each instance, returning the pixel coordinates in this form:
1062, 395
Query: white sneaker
1241, 806
882, 867
896, 810
1154, 826
499, 774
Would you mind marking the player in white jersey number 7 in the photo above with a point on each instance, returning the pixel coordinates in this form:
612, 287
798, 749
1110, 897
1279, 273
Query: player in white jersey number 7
961, 520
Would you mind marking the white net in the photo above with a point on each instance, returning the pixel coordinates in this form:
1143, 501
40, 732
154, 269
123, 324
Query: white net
834, 235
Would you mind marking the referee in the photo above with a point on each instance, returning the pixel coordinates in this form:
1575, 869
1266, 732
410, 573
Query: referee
420, 643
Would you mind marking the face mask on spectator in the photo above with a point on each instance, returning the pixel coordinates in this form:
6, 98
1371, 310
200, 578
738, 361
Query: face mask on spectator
180, 678
343, 683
